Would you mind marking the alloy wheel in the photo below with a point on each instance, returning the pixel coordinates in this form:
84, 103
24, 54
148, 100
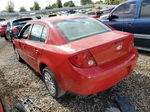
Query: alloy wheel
50, 83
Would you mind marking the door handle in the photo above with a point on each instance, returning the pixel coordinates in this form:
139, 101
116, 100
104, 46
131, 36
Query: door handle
129, 23
23, 46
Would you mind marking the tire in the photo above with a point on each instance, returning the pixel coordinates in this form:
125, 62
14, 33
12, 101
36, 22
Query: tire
5, 37
17, 55
8, 37
51, 84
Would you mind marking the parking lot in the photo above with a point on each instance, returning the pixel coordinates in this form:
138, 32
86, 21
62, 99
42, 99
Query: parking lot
19, 83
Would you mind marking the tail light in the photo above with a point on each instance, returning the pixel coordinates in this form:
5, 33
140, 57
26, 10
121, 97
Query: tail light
83, 60
131, 45
15, 30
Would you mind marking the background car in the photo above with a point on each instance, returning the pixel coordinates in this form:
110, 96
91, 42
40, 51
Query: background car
133, 16
94, 14
3, 28
2, 19
1, 107
14, 27
73, 54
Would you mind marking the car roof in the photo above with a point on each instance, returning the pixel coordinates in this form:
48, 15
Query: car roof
59, 18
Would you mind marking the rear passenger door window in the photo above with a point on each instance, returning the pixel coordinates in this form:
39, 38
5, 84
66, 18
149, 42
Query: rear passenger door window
36, 32
145, 9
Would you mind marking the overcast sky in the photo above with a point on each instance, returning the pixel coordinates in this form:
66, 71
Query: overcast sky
29, 3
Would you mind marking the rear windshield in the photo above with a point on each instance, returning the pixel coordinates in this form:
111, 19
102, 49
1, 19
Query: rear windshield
74, 29
21, 21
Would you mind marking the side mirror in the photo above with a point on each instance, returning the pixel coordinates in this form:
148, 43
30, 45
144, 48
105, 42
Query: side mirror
99, 12
112, 17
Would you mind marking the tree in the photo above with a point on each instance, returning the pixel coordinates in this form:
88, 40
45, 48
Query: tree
22, 9
113, 2
69, 4
49, 6
59, 4
36, 6
86, 2
54, 5
99, 2
10, 7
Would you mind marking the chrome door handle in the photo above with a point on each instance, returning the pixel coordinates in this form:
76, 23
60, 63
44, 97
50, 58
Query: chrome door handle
23, 46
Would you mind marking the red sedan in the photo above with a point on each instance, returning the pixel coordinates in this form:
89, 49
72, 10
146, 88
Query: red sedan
1, 108
76, 54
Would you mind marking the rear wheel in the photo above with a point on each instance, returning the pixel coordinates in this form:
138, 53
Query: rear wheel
51, 83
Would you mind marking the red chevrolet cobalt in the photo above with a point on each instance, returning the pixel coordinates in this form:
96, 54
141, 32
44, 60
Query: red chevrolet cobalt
76, 54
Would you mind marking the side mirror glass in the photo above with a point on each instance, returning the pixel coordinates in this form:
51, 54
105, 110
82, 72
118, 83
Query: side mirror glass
112, 17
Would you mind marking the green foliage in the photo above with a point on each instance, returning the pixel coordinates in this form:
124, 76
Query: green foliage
36, 6
48, 7
113, 2
86, 2
99, 2
69, 4
10, 7
22, 9
59, 4
54, 5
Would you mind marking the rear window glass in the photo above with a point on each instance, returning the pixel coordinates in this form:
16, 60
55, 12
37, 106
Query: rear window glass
74, 29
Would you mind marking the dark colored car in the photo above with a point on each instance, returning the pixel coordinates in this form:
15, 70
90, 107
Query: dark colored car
1, 19
14, 27
133, 16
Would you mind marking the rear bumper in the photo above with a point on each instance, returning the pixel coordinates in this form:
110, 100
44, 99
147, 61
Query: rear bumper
95, 79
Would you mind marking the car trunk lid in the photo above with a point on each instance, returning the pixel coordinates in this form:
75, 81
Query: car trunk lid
107, 47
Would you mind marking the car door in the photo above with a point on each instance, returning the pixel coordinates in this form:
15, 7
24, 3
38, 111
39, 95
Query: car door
22, 41
36, 44
124, 17
142, 26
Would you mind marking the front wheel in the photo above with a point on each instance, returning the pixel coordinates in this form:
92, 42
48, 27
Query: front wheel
5, 37
17, 54
51, 83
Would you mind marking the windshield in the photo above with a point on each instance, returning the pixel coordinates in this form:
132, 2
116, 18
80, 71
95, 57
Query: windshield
74, 29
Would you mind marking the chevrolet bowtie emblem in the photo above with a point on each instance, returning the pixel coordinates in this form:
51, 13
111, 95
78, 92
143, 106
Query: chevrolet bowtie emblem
119, 47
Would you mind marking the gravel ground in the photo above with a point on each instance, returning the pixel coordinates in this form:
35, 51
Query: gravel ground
19, 83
